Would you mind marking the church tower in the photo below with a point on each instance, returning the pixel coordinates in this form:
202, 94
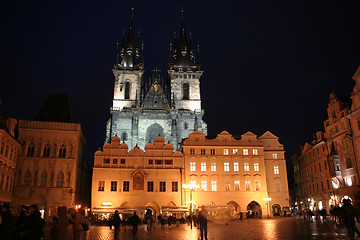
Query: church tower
128, 71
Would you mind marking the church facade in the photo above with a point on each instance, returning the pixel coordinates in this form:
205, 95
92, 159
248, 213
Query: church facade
143, 110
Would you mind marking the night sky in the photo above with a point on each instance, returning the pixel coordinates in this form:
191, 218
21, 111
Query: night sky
268, 65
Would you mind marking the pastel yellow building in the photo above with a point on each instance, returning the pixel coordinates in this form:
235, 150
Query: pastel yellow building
246, 175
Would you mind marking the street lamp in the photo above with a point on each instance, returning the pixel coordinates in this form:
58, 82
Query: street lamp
191, 188
268, 205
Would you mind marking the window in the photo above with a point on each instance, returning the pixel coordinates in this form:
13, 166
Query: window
113, 186
158, 161
325, 164
27, 179
236, 166
212, 151
255, 151
245, 151
192, 167
174, 186
277, 187
62, 151
127, 90
186, 125
43, 179
204, 185
124, 136
276, 169
2, 147
328, 184
30, 152
226, 167
235, 151
46, 152
7, 183
107, 160
227, 186
150, 186
203, 152
257, 186
162, 186
256, 167
274, 156
246, 167
237, 185
320, 167
226, 151
2, 181
322, 186
122, 161
213, 166
101, 186
348, 163
192, 151
151, 162
126, 186
168, 162
213, 186
7, 151
247, 185
186, 91
203, 167
115, 161
193, 183
60, 180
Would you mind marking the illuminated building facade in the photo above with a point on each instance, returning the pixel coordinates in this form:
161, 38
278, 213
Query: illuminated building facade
49, 170
240, 175
326, 170
142, 109
135, 180
8, 156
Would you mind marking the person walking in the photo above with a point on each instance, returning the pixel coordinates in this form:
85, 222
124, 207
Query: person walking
7, 224
59, 229
116, 223
134, 220
76, 223
148, 218
33, 225
202, 221
348, 215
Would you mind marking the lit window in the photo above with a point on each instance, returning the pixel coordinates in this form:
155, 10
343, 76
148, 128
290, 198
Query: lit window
256, 167
101, 186
257, 186
174, 186
237, 185
213, 166
213, 186
245, 151
246, 167
192, 167
247, 185
204, 185
150, 186
226, 167
203, 152
203, 167
192, 151
276, 169
227, 186
274, 156
126, 186
255, 151
212, 151
235, 151
236, 166
113, 186
226, 151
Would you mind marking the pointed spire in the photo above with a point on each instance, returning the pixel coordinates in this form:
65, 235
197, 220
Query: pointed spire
198, 60
116, 60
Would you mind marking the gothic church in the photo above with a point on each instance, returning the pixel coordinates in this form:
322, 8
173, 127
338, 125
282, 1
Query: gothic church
142, 110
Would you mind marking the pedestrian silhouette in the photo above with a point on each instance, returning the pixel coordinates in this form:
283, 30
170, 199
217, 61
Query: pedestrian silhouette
348, 215
134, 220
116, 222
202, 221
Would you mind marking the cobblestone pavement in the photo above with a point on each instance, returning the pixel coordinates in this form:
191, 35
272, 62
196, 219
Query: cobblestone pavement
268, 229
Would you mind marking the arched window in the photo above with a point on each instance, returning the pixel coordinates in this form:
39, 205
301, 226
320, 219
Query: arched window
62, 151
124, 136
127, 90
43, 180
60, 180
27, 179
31, 149
186, 91
46, 152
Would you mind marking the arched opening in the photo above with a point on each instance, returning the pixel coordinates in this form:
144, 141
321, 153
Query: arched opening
46, 152
127, 90
276, 210
60, 180
62, 151
153, 131
186, 91
235, 205
31, 150
253, 210
153, 207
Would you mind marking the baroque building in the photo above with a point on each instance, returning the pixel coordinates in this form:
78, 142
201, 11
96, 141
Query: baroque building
142, 110
49, 171
245, 175
326, 170
8, 156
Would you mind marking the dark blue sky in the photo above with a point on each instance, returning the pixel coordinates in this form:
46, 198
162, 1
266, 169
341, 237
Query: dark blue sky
269, 65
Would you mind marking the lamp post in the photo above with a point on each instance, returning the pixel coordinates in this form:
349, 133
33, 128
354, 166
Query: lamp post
268, 205
191, 188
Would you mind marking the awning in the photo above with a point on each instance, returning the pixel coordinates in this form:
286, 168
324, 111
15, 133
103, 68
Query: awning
174, 209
